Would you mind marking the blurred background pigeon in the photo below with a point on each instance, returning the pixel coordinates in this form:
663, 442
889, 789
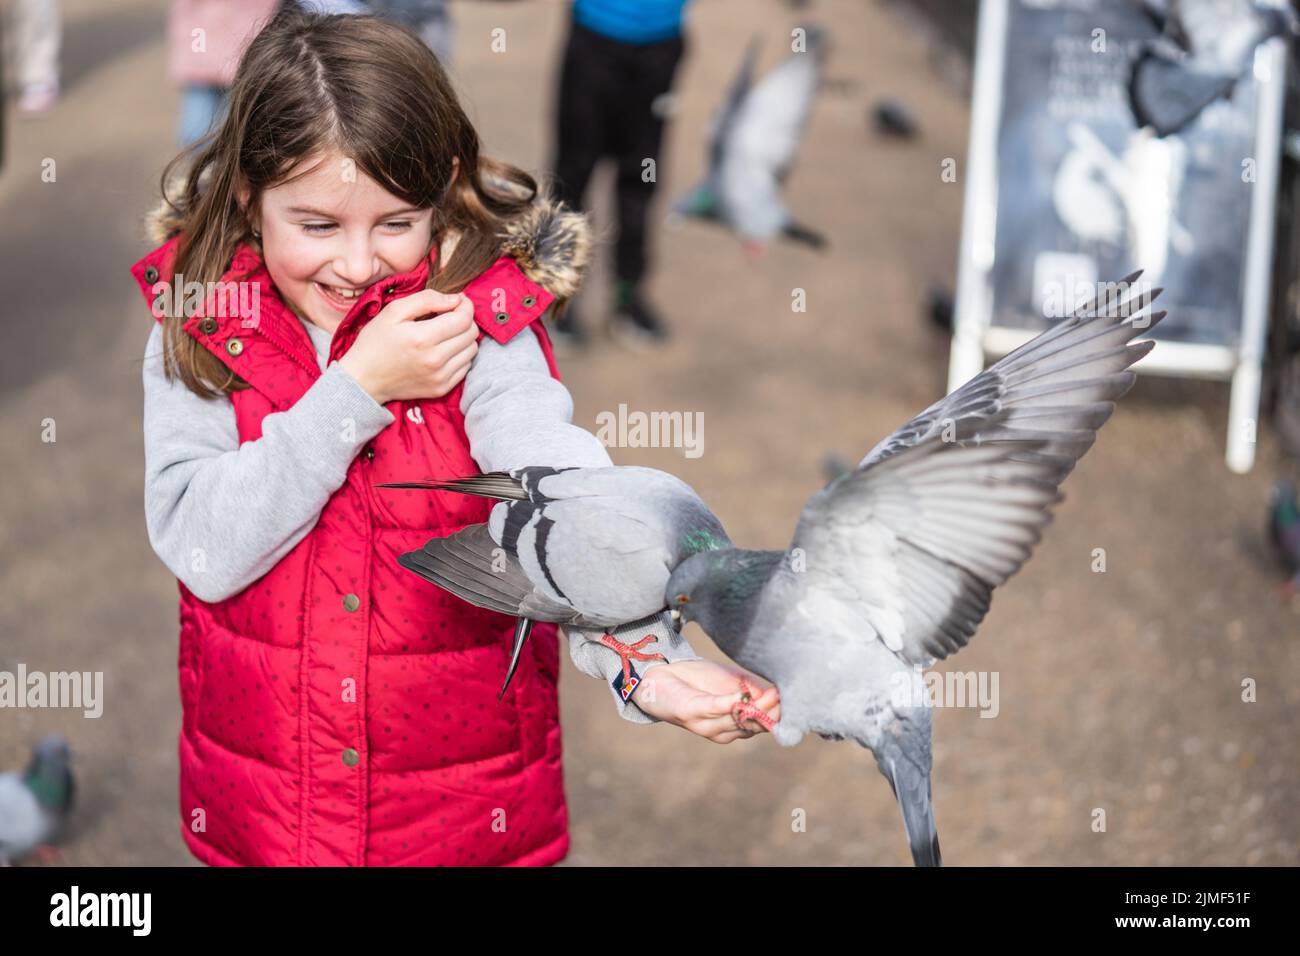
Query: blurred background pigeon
583, 547
892, 117
752, 146
1284, 531
835, 465
893, 565
34, 804
1203, 48
939, 305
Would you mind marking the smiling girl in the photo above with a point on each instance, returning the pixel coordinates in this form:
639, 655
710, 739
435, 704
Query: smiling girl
336, 709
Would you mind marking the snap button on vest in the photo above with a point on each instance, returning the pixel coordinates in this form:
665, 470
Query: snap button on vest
529, 300
351, 602
370, 452
502, 318
351, 758
150, 274
208, 326
234, 346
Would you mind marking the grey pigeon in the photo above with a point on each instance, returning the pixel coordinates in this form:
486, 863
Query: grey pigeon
1284, 531
34, 804
582, 547
1205, 46
752, 147
893, 565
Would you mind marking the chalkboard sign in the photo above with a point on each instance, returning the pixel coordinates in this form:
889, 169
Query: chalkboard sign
1065, 190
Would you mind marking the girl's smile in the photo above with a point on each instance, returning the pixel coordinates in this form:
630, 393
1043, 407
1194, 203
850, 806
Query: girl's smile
339, 298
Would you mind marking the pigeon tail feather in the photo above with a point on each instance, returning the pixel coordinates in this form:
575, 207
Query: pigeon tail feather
911, 785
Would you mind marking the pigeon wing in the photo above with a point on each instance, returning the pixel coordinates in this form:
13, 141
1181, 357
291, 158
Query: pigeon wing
470, 565
769, 123
950, 506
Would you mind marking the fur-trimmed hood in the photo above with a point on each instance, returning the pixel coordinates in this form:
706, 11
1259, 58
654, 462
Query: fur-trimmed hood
551, 243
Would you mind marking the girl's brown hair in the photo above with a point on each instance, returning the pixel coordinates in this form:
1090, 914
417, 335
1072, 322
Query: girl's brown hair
307, 83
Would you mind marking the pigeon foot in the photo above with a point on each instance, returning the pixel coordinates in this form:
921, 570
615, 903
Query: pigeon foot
629, 652
46, 853
746, 711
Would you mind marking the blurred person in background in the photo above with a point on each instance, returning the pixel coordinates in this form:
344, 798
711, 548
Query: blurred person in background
36, 34
207, 38
427, 19
204, 65
617, 72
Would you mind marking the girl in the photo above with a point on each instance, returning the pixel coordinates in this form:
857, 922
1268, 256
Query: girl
336, 709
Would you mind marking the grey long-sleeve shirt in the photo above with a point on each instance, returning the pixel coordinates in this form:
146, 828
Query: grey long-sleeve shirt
197, 471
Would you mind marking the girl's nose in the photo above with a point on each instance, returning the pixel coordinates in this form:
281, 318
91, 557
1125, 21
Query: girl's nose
356, 263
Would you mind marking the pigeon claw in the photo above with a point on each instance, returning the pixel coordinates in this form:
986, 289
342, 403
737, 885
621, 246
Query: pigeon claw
630, 652
47, 853
744, 710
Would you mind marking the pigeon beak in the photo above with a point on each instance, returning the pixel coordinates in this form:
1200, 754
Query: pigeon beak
676, 617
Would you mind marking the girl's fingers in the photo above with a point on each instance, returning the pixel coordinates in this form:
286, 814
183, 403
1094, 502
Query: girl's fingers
419, 304
450, 348
719, 729
457, 368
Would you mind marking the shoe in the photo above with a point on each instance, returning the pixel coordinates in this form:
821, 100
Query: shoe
38, 100
636, 326
567, 334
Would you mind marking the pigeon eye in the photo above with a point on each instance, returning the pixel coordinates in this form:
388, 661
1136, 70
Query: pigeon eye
683, 599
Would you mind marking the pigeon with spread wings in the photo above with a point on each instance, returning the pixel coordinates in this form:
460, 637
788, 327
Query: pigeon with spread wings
893, 564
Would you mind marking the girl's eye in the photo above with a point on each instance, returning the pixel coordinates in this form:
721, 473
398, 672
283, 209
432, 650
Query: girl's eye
399, 225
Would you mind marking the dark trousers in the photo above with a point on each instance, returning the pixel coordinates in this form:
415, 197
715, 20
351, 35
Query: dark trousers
607, 89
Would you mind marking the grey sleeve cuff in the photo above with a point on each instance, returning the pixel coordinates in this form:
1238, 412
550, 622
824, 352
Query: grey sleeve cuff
597, 660
348, 401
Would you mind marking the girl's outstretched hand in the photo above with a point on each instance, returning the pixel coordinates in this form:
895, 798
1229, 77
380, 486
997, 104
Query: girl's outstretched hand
700, 696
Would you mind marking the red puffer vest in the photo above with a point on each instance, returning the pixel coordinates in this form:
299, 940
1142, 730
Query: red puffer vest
340, 710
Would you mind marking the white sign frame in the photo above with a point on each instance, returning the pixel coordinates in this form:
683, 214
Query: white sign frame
975, 337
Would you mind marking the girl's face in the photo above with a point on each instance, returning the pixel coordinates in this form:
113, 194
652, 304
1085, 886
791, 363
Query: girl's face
330, 234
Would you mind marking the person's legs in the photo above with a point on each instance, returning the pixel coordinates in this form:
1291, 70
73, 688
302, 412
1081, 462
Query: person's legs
645, 91
579, 126
580, 122
201, 109
439, 36
38, 33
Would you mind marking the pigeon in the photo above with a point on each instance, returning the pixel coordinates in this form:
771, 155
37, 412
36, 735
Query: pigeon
561, 548
752, 147
35, 804
1284, 531
1205, 46
939, 306
834, 465
893, 565
892, 117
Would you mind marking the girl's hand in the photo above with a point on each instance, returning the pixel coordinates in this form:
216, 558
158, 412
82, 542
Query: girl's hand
699, 696
396, 356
